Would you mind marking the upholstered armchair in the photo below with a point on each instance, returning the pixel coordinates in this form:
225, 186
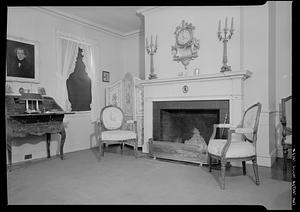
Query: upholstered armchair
113, 128
286, 122
240, 145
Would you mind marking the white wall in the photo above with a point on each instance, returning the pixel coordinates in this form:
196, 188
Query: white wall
131, 55
205, 19
256, 45
34, 24
256, 58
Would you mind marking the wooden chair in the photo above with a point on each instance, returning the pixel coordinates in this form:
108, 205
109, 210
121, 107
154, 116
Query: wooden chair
240, 145
113, 129
286, 122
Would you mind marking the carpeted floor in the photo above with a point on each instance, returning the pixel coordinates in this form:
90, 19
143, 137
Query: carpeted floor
122, 179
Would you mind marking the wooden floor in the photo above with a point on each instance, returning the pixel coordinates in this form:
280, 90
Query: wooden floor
275, 172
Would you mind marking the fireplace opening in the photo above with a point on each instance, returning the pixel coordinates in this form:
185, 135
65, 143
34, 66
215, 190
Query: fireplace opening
188, 122
182, 129
187, 126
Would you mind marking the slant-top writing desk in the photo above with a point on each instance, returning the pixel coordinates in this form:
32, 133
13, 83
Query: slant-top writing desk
19, 123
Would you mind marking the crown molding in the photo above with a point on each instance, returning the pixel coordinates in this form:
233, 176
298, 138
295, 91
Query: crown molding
132, 34
149, 10
87, 23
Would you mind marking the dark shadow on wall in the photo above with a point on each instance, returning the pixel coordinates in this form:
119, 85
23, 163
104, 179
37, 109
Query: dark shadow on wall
79, 86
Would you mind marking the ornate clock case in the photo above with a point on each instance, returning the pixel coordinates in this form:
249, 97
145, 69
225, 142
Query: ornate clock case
186, 46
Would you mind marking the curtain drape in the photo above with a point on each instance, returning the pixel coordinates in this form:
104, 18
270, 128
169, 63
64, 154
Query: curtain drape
69, 51
88, 60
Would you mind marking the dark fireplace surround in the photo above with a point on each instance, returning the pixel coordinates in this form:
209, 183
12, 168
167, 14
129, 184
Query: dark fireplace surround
175, 121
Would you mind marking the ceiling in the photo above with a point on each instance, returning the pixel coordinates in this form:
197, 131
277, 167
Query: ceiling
120, 20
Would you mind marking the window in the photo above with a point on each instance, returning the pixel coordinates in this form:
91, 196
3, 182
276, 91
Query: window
76, 85
79, 86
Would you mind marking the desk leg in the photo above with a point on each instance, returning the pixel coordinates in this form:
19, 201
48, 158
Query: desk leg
8, 146
62, 142
48, 138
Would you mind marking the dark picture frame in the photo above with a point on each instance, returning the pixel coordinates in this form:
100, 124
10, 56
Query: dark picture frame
105, 76
22, 70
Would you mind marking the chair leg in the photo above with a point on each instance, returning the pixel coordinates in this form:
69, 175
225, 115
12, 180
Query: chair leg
285, 154
122, 147
223, 170
209, 162
244, 167
255, 169
135, 148
100, 150
103, 147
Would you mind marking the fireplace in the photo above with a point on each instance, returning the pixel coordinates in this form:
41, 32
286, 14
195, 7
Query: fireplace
203, 100
188, 121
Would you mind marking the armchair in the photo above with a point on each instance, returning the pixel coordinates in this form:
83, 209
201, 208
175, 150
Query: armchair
240, 145
112, 129
286, 122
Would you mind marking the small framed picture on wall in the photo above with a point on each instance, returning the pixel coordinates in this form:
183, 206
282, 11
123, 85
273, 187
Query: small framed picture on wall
105, 76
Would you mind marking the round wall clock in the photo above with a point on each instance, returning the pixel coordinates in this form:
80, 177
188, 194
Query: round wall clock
186, 46
184, 37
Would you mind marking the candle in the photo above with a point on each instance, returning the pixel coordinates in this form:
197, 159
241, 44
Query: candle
226, 22
156, 40
151, 41
232, 23
219, 28
147, 42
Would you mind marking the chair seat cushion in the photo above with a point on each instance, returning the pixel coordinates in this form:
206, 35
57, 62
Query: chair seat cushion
235, 150
113, 135
288, 139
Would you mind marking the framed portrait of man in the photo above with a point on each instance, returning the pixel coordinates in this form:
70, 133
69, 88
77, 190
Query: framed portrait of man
21, 60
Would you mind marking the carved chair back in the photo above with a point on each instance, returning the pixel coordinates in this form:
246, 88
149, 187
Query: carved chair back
251, 120
112, 117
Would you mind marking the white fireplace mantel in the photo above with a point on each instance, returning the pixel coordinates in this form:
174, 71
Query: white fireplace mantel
217, 76
219, 86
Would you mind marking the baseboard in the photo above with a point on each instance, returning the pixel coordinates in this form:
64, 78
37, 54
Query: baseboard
261, 160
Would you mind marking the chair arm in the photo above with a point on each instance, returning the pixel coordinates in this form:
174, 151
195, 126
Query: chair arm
224, 126
132, 123
100, 125
98, 122
229, 139
227, 144
215, 126
242, 130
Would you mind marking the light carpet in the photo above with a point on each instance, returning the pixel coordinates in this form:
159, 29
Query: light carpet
122, 179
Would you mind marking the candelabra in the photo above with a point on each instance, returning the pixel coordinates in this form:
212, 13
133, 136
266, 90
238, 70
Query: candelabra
151, 50
225, 38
